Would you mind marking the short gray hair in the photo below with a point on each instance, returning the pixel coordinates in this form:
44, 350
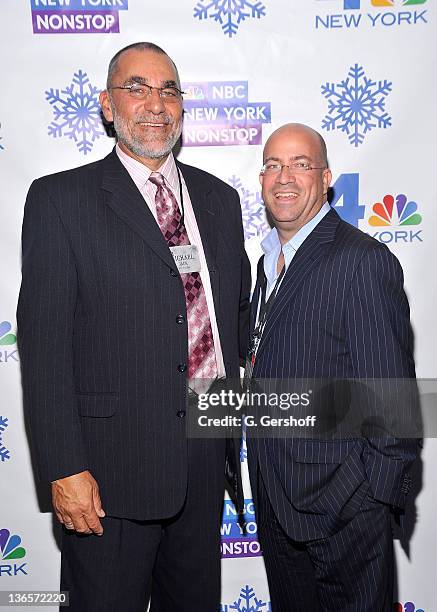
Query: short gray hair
138, 46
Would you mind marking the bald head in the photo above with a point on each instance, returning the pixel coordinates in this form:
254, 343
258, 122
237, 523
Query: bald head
295, 178
300, 130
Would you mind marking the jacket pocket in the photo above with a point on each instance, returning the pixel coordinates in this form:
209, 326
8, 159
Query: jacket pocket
97, 404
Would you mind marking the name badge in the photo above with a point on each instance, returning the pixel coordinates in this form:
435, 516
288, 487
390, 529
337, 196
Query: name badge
186, 258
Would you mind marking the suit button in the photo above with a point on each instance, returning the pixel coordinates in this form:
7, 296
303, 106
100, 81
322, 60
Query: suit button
173, 272
180, 319
180, 414
182, 367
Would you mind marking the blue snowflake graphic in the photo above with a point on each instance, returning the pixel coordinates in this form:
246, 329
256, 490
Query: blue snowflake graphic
4, 453
356, 105
3, 423
247, 602
76, 112
252, 209
229, 13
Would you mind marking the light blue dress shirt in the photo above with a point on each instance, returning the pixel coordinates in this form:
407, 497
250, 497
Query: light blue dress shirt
271, 246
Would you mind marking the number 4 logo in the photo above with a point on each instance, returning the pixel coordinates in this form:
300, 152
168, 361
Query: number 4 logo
344, 197
351, 4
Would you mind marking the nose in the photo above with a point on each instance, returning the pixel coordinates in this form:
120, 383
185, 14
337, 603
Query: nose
286, 175
154, 102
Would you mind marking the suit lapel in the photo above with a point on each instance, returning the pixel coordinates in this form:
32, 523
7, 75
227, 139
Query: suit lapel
307, 257
256, 293
205, 210
128, 203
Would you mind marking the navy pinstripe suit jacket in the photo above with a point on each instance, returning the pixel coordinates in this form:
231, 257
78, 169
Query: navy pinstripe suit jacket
340, 313
100, 334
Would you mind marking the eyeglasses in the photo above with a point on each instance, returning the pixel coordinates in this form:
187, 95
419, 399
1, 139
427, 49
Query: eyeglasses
141, 92
296, 167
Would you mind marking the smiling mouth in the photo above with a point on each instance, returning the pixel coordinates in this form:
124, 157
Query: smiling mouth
286, 195
151, 124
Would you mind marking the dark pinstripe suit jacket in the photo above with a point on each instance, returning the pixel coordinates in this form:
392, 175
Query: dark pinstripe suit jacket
100, 334
340, 313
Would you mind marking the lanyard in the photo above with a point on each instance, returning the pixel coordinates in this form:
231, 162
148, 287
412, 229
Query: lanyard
264, 309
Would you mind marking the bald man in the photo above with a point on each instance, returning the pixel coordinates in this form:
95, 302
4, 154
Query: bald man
328, 304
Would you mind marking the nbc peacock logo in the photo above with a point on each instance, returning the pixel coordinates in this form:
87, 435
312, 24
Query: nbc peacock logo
6, 338
396, 220
382, 14
402, 214
10, 546
397, 2
10, 552
408, 606
8, 349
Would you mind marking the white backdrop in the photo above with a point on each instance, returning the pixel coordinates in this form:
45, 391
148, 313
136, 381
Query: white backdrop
362, 72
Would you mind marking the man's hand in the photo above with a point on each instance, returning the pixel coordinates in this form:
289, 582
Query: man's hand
77, 504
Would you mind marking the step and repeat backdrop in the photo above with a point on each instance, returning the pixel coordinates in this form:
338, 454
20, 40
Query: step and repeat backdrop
362, 72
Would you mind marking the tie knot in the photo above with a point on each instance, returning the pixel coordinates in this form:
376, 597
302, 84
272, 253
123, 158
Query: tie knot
157, 179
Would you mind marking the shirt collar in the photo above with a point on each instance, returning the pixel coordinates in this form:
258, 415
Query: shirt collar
271, 242
140, 173
271, 246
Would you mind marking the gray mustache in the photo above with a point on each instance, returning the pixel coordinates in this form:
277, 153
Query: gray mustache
165, 119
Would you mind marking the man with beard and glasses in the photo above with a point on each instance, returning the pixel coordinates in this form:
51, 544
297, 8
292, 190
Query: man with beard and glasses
113, 332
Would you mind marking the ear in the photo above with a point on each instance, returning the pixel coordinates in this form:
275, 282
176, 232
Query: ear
261, 179
105, 104
327, 178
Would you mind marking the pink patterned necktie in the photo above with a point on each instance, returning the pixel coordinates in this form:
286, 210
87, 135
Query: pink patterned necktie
201, 353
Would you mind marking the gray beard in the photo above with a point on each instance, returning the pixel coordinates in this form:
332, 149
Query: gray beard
141, 148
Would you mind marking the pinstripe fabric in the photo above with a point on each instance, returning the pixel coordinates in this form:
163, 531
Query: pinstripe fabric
100, 335
350, 571
341, 313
